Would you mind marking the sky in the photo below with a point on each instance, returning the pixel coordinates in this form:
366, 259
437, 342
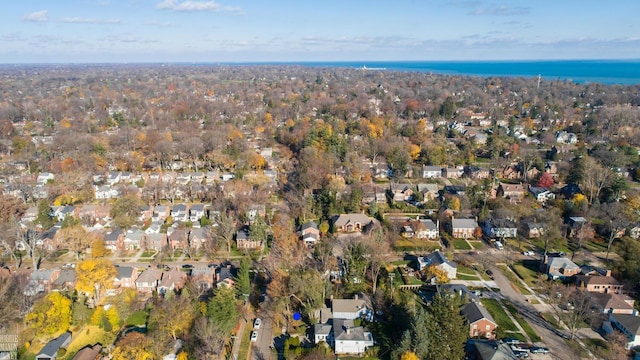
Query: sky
125, 31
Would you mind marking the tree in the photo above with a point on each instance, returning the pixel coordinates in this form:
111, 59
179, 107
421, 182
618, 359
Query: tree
545, 180
223, 232
432, 271
133, 346
409, 355
95, 276
45, 215
98, 246
76, 239
243, 281
571, 306
126, 210
172, 317
616, 224
222, 309
209, 337
51, 314
595, 179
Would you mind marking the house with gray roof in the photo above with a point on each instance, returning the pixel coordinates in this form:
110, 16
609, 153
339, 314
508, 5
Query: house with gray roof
352, 223
463, 228
439, 260
629, 325
50, 351
66, 280
559, 267
489, 350
481, 323
340, 331
126, 277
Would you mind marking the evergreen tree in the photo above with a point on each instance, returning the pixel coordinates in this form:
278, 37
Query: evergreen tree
243, 282
222, 309
44, 217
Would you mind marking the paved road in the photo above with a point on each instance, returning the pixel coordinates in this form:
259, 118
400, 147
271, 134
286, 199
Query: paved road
261, 350
551, 337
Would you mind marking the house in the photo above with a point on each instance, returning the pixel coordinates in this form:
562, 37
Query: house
532, 229
349, 308
309, 233
407, 231
225, 276
429, 191
453, 173
513, 192
66, 280
160, 213
114, 240
245, 242
489, 350
113, 177
579, 226
500, 229
105, 192
126, 277
63, 211
564, 137
542, 195
154, 228
340, 332
457, 190
155, 241
44, 177
463, 228
599, 284
203, 278
133, 239
198, 237
629, 325
477, 173
350, 339
350, 223
634, 232
431, 172
611, 303
426, 229
89, 353
196, 212
147, 282
41, 281
50, 351
179, 212
401, 192
179, 239
146, 212
559, 267
173, 279
570, 190
440, 261
481, 323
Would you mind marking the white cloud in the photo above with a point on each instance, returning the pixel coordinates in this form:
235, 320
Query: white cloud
190, 5
159, 24
502, 10
78, 20
38, 16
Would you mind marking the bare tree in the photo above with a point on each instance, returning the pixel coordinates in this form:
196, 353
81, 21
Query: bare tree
571, 306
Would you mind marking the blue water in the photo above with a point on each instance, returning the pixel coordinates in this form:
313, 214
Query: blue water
623, 72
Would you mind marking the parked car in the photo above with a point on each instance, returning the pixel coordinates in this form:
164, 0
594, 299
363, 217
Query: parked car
256, 323
511, 341
490, 273
521, 354
254, 336
528, 253
539, 350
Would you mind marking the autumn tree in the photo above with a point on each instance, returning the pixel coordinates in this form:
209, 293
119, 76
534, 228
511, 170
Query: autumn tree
222, 233
126, 210
571, 306
209, 337
51, 314
76, 239
545, 180
132, 346
433, 272
98, 246
94, 276
172, 317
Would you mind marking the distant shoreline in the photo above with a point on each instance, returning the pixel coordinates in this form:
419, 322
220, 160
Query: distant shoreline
609, 72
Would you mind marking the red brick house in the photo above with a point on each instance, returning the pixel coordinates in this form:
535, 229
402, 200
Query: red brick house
481, 323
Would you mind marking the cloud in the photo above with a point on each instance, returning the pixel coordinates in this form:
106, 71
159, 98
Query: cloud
78, 20
38, 16
190, 6
159, 24
501, 10
12, 37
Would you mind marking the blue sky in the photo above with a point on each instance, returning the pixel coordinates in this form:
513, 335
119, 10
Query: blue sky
80, 31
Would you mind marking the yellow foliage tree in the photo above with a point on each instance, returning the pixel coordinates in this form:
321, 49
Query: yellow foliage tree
440, 275
95, 276
414, 151
409, 355
51, 314
98, 247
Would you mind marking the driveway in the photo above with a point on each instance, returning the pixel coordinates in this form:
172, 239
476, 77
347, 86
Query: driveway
261, 349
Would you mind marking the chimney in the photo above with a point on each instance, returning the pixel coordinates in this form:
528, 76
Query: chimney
355, 296
348, 330
608, 272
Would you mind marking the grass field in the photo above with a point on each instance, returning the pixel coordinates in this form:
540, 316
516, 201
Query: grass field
476, 244
89, 335
525, 270
513, 278
499, 315
460, 244
462, 276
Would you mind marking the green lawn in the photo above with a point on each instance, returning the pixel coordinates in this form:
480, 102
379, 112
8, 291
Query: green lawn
525, 271
460, 244
88, 335
476, 244
523, 323
499, 315
462, 276
513, 278
137, 318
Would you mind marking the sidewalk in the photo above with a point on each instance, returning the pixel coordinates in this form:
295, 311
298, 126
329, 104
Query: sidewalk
238, 339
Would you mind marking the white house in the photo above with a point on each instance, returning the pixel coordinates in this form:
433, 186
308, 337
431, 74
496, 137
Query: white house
105, 192
629, 325
44, 177
350, 339
440, 261
542, 195
427, 229
431, 172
